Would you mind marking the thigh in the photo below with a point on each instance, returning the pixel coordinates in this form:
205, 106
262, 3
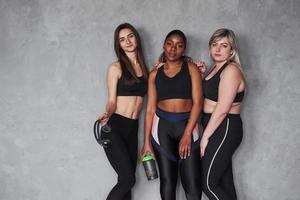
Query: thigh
227, 182
162, 139
168, 169
118, 154
190, 171
132, 143
218, 153
168, 174
165, 149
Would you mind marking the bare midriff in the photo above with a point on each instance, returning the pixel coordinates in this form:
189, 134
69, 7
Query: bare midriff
129, 106
209, 107
175, 105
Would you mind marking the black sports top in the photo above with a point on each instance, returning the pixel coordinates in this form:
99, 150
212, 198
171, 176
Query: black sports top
176, 87
211, 87
135, 89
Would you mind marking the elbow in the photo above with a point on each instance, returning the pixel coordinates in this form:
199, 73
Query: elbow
112, 101
198, 105
201, 104
151, 108
150, 112
111, 105
198, 102
222, 112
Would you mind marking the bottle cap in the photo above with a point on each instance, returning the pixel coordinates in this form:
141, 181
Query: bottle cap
147, 157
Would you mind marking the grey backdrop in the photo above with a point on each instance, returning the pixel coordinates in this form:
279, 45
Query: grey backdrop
54, 55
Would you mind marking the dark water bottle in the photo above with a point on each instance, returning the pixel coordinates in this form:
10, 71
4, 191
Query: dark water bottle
150, 167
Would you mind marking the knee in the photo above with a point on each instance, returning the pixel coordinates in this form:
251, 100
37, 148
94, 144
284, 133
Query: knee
167, 190
195, 186
208, 187
193, 192
127, 181
168, 187
205, 189
167, 184
131, 181
192, 188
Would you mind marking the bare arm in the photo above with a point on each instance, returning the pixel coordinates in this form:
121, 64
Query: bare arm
113, 74
228, 88
150, 112
185, 142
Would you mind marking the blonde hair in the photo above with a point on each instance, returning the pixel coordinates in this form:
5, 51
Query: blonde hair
224, 32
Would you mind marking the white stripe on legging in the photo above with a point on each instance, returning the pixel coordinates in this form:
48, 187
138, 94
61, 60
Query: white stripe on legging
195, 133
214, 159
154, 129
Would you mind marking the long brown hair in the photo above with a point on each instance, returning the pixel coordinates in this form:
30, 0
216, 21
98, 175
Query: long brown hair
128, 73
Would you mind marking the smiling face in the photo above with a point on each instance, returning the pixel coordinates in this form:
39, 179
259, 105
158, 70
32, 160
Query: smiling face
174, 47
221, 50
127, 40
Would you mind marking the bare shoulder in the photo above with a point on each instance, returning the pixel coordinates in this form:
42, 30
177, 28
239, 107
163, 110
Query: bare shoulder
115, 68
193, 68
233, 69
153, 73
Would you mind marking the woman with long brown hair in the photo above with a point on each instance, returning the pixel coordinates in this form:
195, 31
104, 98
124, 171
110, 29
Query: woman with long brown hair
127, 85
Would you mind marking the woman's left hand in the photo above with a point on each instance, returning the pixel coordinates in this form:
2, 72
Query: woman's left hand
185, 146
201, 66
158, 65
203, 145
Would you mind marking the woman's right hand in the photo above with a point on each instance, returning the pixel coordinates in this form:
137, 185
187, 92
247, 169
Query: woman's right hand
146, 150
103, 118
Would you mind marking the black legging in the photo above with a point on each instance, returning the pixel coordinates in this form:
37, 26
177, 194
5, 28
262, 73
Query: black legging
166, 136
217, 177
122, 154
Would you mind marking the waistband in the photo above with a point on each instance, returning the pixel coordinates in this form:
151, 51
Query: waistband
230, 115
118, 116
172, 116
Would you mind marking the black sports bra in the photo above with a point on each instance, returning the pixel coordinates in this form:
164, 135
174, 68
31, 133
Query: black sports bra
134, 89
211, 87
176, 87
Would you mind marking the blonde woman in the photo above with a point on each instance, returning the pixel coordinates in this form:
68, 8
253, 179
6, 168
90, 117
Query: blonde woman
223, 90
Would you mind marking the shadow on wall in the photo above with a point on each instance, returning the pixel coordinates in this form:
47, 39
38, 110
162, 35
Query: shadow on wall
246, 152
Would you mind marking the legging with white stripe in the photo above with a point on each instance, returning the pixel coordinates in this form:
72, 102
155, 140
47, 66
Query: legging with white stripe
217, 176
